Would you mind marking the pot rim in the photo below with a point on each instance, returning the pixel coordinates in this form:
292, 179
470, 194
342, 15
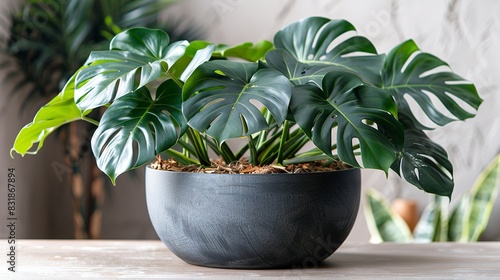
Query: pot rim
352, 169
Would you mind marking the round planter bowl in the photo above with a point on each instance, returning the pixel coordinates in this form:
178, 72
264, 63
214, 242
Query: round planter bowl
250, 220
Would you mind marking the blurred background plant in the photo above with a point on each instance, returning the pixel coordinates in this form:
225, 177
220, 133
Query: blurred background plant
48, 40
464, 223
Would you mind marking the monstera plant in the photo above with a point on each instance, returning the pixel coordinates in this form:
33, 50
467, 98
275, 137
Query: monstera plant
318, 82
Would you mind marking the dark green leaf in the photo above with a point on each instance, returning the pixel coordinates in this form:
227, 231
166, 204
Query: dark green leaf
424, 163
135, 128
321, 42
138, 56
409, 71
351, 106
219, 94
302, 73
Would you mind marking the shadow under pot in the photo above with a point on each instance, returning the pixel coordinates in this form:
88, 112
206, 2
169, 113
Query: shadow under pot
253, 220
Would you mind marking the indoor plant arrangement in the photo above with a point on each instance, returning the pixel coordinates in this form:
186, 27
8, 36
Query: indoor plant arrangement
316, 82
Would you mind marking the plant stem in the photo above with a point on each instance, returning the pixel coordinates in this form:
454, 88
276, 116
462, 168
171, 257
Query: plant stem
199, 146
284, 137
181, 157
177, 81
254, 159
261, 138
92, 121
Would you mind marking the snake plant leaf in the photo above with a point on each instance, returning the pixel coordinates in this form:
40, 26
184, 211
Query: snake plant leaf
59, 111
247, 51
384, 224
323, 42
408, 71
136, 57
136, 127
425, 230
219, 94
442, 226
423, 162
351, 106
483, 196
458, 228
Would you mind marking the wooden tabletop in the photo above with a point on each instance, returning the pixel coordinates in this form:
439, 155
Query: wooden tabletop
107, 259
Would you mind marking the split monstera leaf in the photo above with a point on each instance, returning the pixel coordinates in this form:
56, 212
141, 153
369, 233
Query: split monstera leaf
318, 82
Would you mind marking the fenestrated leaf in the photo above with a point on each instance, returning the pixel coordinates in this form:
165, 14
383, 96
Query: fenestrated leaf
409, 71
384, 224
59, 111
303, 73
218, 98
351, 106
137, 57
423, 162
135, 128
317, 41
247, 51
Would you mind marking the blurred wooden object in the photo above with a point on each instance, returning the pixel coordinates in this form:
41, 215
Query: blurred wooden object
408, 210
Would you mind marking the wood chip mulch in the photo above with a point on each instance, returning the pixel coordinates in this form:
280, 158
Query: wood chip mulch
244, 167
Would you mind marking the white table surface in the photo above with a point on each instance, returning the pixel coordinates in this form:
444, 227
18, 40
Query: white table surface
111, 259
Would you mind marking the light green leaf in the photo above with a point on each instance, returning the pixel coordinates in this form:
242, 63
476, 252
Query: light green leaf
196, 54
59, 111
136, 128
247, 51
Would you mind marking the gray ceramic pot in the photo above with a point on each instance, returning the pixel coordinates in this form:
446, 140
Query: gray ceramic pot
253, 221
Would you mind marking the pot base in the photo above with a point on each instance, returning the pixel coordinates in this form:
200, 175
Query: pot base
253, 221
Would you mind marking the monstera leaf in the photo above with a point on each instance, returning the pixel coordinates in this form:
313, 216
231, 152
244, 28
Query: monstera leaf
59, 111
136, 53
420, 75
424, 163
196, 54
352, 107
135, 128
318, 42
247, 51
301, 73
219, 94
